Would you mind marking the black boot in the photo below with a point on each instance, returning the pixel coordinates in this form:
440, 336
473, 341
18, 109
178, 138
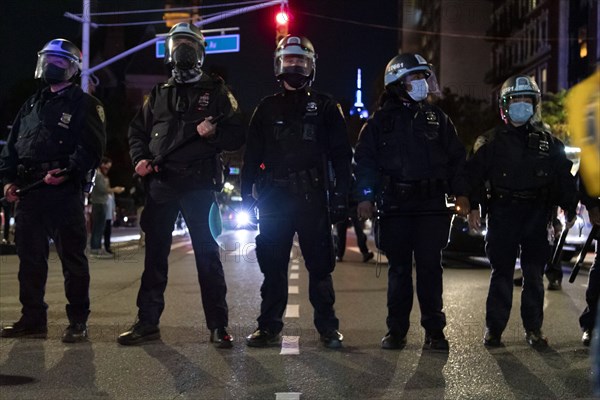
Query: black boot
75, 332
25, 329
140, 332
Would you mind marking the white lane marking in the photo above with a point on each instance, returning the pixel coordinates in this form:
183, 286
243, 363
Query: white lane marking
287, 396
292, 311
293, 289
294, 275
290, 345
295, 267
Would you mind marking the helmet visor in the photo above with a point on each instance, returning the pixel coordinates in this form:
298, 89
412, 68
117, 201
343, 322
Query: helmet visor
294, 64
173, 42
70, 65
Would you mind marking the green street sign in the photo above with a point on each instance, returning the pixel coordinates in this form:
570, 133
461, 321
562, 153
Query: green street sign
214, 45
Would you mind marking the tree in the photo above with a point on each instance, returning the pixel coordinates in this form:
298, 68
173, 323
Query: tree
554, 113
470, 116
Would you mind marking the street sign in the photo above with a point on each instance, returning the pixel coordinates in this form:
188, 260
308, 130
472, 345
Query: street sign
214, 45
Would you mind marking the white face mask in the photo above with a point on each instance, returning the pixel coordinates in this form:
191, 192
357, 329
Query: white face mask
419, 91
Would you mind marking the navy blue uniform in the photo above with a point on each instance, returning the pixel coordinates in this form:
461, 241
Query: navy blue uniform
53, 130
528, 173
408, 157
186, 183
292, 135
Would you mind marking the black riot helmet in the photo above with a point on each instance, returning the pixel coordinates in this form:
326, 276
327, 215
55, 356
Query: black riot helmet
190, 53
295, 61
520, 86
404, 64
397, 71
58, 48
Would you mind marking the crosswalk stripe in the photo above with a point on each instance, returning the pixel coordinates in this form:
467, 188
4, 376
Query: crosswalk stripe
292, 311
290, 345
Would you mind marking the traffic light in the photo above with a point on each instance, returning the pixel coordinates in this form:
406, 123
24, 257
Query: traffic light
173, 18
282, 20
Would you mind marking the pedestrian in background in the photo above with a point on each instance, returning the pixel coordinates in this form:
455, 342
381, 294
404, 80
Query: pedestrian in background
408, 158
138, 194
528, 174
99, 200
58, 136
358, 225
176, 118
110, 212
295, 135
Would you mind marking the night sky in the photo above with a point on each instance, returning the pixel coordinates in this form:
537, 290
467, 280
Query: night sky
342, 47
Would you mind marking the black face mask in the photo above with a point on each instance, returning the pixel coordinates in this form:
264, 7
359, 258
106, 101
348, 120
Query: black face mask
185, 57
295, 80
53, 74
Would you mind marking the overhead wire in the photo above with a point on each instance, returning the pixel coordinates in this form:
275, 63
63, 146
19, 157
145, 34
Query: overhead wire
423, 32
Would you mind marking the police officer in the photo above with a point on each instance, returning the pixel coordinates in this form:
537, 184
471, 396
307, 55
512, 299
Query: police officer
294, 135
58, 136
528, 173
408, 158
176, 147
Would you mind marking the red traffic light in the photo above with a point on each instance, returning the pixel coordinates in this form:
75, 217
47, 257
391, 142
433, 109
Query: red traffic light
282, 18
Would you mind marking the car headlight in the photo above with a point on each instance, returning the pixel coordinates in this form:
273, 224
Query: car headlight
242, 218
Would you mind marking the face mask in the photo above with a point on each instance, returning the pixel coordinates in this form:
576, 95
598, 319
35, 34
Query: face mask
185, 57
295, 80
419, 91
53, 74
520, 112
187, 75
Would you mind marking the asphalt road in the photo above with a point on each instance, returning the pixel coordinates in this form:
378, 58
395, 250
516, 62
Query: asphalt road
184, 365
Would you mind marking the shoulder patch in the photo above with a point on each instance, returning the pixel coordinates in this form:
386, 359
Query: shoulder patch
101, 115
232, 101
339, 107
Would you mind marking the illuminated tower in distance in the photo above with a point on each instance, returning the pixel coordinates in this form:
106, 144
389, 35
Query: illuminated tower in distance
359, 108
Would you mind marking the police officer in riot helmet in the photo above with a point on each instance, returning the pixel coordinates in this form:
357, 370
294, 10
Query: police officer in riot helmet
408, 159
57, 138
295, 137
175, 144
529, 174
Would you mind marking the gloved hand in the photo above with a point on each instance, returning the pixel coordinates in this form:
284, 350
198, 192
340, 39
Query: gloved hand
338, 209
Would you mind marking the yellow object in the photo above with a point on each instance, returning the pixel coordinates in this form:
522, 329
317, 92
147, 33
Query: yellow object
583, 110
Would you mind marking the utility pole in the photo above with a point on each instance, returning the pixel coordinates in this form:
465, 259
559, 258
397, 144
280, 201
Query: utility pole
85, 44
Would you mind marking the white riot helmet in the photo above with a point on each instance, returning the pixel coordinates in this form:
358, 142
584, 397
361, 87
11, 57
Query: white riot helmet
52, 73
295, 61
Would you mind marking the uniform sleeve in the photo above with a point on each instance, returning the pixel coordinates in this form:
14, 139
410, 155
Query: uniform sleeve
566, 184
365, 157
457, 158
230, 131
139, 131
477, 172
254, 154
8, 157
339, 149
92, 144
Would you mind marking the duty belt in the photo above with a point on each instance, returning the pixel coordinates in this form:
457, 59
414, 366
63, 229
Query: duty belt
520, 196
304, 181
403, 190
29, 172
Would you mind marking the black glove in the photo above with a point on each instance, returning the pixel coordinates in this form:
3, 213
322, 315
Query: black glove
338, 209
